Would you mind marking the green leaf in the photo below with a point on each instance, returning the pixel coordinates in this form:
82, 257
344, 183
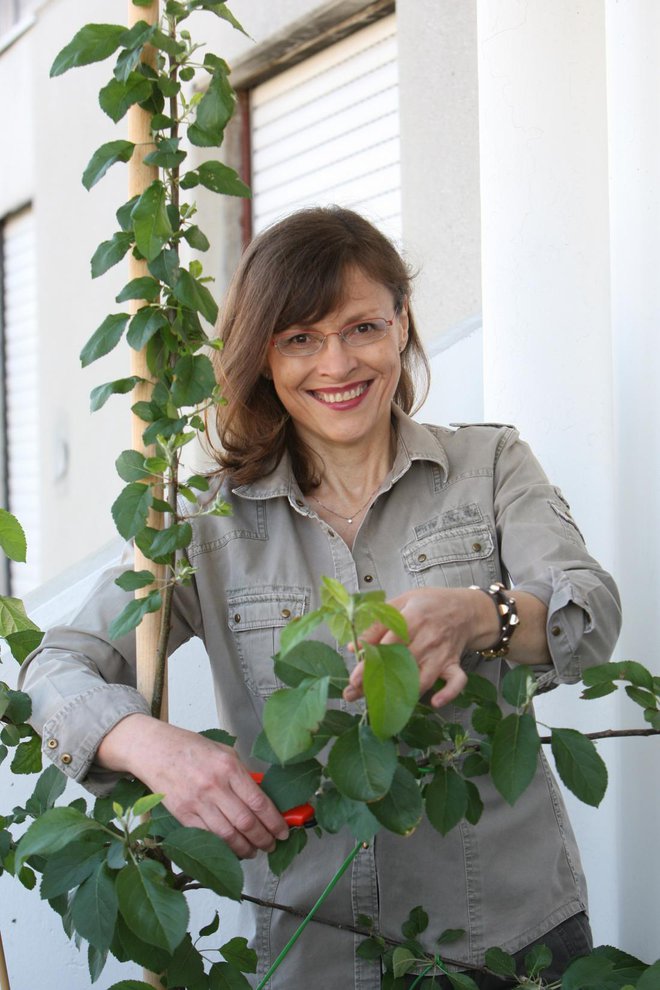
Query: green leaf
518, 686
131, 616
49, 787
103, 158
206, 858
641, 696
486, 717
194, 379
446, 799
54, 830
145, 287
423, 731
450, 935
402, 808
12, 537
299, 629
211, 928
124, 213
131, 508
461, 981
167, 154
598, 690
100, 395
312, 659
475, 805
500, 962
109, 253
130, 466
69, 867
579, 765
223, 11
119, 95
214, 112
192, 293
220, 178
27, 758
537, 959
372, 948
96, 960
94, 908
220, 736
334, 811
362, 765
388, 616
196, 239
151, 223
650, 715
105, 338
165, 266
186, 968
132, 580
291, 716
603, 673
175, 537
157, 913
92, 43
630, 670
292, 785
515, 753
416, 923
286, 850
650, 978
224, 976
391, 687
13, 618
23, 643
237, 952
131, 984
403, 961
146, 804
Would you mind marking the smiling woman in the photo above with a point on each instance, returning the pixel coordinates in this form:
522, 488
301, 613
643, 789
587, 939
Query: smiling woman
326, 475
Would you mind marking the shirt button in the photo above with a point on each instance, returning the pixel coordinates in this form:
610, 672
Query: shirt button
476, 547
299, 503
52, 744
556, 631
66, 758
368, 578
237, 617
285, 613
421, 558
331, 532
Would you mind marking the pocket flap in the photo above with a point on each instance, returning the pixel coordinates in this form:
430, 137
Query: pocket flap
250, 608
474, 543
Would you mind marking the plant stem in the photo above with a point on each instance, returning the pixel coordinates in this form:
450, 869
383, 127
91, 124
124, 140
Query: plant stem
300, 929
612, 734
422, 975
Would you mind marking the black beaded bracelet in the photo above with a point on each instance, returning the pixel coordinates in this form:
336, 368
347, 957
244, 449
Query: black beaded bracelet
507, 613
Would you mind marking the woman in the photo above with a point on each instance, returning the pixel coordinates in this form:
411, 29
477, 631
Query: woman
327, 475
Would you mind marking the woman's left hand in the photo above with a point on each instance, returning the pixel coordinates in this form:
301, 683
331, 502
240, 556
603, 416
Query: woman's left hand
443, 623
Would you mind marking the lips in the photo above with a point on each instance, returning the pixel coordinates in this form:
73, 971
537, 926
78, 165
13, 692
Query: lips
331, 398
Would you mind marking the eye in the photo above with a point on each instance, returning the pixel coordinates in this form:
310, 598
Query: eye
295, 342
365, 330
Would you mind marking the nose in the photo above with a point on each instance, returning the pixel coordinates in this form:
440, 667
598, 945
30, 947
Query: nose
336, 359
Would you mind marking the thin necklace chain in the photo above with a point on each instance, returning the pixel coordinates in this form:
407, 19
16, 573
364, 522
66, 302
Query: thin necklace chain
354, 515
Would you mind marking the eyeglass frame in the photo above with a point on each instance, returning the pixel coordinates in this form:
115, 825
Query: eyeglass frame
319, 335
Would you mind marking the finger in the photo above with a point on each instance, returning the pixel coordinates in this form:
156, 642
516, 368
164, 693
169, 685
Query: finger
374, 634
455, 682
212, 820
353, 689
261, 807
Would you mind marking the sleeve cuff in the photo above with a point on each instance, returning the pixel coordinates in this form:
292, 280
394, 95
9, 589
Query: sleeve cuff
72, 736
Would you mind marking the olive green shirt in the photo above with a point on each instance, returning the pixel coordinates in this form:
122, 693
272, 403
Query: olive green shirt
460, 507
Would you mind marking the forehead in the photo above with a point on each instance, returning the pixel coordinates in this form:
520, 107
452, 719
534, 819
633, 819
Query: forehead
360, 296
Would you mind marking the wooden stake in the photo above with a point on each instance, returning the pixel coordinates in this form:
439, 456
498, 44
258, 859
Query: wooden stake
4, 975
140, 176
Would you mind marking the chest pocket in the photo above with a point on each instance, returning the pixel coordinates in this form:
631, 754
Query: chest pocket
256, 617
453, 558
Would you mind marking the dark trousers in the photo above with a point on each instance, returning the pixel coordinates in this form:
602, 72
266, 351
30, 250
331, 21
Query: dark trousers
566, 942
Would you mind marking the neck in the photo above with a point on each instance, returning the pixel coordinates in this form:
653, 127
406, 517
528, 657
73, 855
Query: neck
349, 475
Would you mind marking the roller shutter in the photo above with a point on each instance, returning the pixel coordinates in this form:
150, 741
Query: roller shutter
327, 131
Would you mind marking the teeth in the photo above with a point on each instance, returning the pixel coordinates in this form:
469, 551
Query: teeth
351, 393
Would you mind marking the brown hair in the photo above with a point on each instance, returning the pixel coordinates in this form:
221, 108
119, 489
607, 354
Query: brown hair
293, 273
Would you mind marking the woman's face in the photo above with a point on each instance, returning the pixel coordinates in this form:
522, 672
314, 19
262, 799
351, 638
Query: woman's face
342, 395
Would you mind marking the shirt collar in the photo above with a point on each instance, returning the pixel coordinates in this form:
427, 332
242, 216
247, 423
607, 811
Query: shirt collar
414, 443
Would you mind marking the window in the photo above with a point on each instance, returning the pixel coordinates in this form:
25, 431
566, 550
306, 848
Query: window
327, 131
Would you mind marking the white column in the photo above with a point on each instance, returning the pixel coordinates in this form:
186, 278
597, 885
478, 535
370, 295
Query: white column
633, 32
546, 302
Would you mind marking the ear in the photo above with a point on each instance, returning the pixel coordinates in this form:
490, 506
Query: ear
404, 323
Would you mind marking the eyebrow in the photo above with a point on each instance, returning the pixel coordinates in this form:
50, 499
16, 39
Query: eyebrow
306, 327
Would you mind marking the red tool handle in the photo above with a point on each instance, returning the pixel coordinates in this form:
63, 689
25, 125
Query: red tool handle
294, 817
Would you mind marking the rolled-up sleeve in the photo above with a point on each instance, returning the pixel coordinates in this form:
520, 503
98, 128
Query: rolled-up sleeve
82, 683
543, 553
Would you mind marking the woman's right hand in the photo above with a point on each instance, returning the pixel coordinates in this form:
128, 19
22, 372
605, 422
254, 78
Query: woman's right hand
204, 782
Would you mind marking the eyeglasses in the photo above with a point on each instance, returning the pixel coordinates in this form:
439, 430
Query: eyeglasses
306, 342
